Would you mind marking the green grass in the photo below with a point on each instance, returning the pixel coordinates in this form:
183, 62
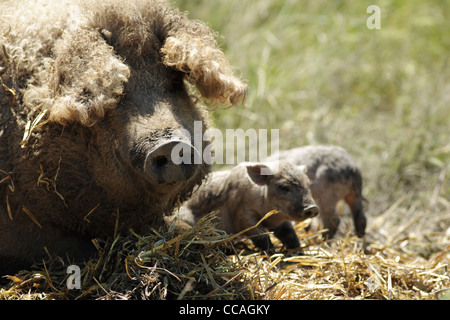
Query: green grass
319, 75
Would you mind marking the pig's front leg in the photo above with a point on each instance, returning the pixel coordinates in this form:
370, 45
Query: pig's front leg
286, 233
258, 235
262, 241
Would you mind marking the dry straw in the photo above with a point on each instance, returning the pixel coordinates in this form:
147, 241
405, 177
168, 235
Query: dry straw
205, 263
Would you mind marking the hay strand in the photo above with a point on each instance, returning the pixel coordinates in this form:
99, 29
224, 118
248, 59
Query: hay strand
205, 263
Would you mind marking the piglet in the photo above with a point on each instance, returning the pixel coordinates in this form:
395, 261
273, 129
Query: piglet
247, 192
334, 176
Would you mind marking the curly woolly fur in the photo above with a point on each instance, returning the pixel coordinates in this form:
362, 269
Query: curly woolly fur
110, 77
65, 61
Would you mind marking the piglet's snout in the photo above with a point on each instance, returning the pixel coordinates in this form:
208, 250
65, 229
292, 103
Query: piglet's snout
311, 211
171, 162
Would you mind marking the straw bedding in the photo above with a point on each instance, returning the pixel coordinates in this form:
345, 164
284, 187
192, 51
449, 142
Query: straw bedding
205, 263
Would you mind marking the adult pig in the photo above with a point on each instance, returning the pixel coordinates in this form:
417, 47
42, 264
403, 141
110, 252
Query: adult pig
92, 98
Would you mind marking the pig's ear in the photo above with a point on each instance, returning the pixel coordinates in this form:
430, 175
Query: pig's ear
259, 173
190, 47
83, 79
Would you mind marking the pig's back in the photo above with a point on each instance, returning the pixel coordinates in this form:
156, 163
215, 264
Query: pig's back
332, 162
210, 196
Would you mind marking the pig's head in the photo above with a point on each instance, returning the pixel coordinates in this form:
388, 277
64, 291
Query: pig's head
119, 69
287, 188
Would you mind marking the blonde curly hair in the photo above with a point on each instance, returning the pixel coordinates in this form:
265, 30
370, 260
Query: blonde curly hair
72, 58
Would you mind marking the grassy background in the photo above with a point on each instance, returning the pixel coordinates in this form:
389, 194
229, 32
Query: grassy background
319, 75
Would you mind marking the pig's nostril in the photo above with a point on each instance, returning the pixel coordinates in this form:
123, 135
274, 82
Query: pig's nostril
311, 211
169, 162
160, 161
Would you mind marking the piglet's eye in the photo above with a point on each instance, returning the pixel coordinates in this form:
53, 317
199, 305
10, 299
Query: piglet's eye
283, 188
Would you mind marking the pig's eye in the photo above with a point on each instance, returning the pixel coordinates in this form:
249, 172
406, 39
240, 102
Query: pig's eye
283, 188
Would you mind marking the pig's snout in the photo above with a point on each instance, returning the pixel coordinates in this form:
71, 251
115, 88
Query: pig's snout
311, 211
171, 162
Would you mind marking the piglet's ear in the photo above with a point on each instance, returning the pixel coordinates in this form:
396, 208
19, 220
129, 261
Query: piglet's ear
81, 81
259, 174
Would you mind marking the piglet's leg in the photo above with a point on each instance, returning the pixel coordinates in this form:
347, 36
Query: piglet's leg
327, 200
359, 219
286, 233
258, 235
262, 241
